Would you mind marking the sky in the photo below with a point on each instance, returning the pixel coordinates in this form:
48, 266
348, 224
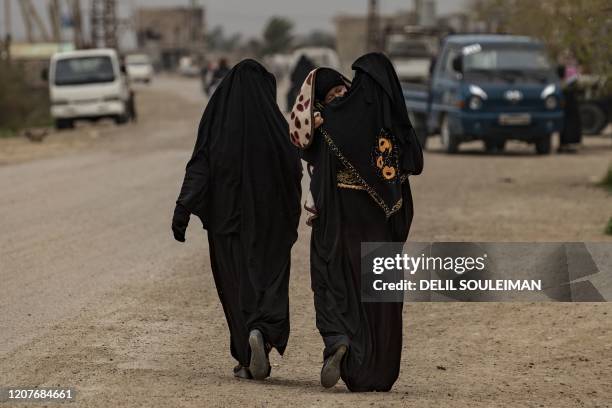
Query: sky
249, 16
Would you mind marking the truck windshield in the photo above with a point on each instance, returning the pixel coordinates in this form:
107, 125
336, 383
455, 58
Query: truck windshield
84, 70
507, 59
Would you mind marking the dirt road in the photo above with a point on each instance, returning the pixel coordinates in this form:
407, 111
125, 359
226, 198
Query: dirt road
96, 294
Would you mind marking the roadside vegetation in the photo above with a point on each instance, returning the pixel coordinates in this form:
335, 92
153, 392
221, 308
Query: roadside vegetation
21, 105
606, 181
582, 26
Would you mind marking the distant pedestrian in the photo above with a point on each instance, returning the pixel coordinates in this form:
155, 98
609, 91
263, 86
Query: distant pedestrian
571, 135
204, 72
131, 107
243, 182
217, 76
302, 68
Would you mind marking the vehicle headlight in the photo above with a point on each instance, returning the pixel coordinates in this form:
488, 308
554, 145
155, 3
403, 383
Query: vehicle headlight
475, 103
551, 102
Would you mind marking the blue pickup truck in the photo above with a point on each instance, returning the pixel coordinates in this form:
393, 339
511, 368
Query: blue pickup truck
491, 88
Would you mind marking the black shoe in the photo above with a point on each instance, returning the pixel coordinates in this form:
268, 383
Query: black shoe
260, 365
330, 373
242, 372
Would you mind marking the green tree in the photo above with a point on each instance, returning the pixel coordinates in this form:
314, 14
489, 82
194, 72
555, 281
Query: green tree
318, 38
217, 40
583, 27
277, 35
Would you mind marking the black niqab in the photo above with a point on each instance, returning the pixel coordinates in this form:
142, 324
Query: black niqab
369, 131
361, 207
327, 78
243, 182
243, 176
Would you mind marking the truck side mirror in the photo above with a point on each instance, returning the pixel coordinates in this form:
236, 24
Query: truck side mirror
458, 64
44, 74
561, 71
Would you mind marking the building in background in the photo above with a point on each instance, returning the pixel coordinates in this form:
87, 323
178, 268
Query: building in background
168, 34
352, 30
352, 37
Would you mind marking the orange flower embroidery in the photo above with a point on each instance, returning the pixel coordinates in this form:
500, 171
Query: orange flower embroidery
384, 144
379, 162
388, 172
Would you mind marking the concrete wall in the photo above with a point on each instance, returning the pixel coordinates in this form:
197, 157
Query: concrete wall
351, 35
167, 33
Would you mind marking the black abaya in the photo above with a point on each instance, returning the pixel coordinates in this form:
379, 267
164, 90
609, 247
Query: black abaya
572, 129
243, 182
356, 202
268, 312
298, 75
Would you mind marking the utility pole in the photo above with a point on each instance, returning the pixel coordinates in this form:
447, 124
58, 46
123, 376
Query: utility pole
8, 30
192, 27
104, 23
373, 34
54, 17
27, 21
77, 23
31, 17
7, 19
31, 10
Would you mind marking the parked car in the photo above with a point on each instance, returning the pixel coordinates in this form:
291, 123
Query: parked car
491, 88
188, 67
87, 84
139, 68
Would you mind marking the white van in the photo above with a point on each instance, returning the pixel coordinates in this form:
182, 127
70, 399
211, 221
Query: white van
139, 68
87, 84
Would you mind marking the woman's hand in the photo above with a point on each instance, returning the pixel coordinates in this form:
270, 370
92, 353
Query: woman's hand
180, 220
318, 120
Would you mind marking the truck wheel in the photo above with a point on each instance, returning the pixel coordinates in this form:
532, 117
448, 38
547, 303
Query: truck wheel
495, 145
450, 144
543, 144
61, 124
121, 119
592, 118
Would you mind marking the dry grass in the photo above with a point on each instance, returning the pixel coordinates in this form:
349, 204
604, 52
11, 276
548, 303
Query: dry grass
21, 105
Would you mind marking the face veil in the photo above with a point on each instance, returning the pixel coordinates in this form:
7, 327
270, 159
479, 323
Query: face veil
367, 130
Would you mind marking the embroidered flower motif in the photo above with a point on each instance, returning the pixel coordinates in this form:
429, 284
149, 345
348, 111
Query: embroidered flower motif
384, 145
385, 156
388, 172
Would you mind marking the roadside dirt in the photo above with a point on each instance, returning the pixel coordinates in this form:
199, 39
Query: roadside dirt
96, 295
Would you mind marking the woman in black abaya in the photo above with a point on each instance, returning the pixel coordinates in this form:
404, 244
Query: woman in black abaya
361, 151
303, 66
243, 182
